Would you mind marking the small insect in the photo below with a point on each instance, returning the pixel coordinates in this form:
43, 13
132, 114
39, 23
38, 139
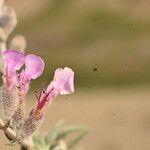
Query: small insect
95, 69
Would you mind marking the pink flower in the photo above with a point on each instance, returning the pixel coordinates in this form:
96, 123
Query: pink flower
13, 61
63, 83
34, 66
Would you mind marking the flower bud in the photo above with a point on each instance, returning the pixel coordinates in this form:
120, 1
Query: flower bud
8, 20
18, 42
2, 37
1, 4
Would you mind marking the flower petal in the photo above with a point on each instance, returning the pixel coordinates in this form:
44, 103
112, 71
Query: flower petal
64, 80
13, 59
34, 66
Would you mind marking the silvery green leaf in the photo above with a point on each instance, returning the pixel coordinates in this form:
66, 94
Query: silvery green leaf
54, 134
83, 132
60, 145
18, 42
72, 129
40, 143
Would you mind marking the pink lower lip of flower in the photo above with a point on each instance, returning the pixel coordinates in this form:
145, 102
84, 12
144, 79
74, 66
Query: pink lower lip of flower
64, 80
34, 66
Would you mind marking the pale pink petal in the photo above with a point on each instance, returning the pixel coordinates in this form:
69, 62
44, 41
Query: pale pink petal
52, 90
13, 59
50, 86
64, 80
34, 66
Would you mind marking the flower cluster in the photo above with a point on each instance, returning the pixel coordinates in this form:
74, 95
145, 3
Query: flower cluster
19, 70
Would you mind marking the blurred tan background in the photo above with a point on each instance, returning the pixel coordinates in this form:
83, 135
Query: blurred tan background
107, 43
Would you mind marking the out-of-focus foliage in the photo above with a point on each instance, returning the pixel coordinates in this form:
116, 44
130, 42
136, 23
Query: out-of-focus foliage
56, 139
86, 36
